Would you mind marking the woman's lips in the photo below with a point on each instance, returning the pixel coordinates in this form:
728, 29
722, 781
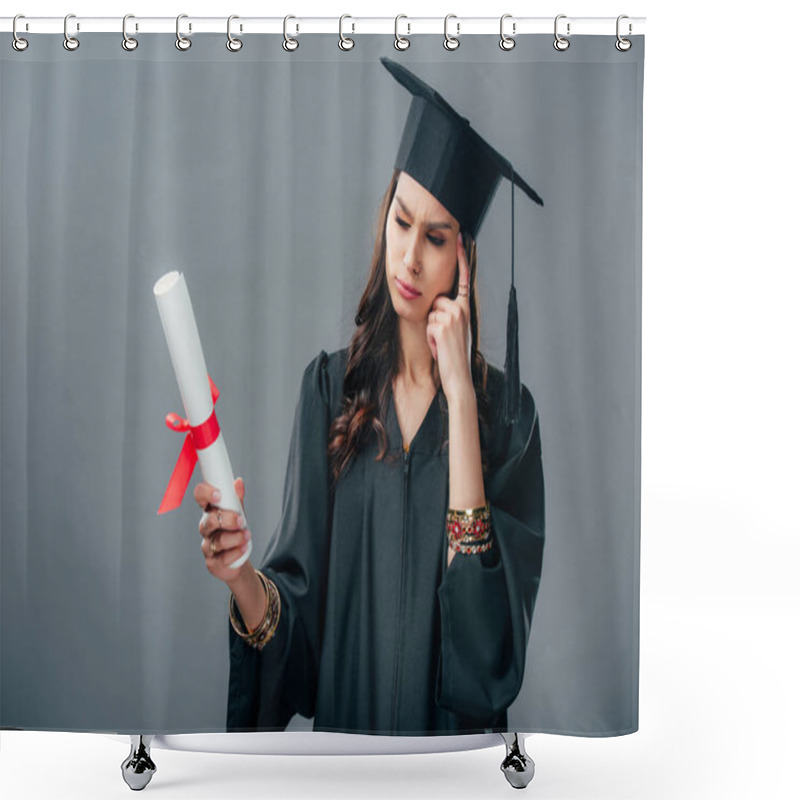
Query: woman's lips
406, 291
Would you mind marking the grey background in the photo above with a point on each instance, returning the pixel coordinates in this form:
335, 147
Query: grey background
258, 175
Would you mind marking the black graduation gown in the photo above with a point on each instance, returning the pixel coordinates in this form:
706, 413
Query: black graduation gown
376, 634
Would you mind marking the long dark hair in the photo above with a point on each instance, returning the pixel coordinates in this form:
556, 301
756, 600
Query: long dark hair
373, 357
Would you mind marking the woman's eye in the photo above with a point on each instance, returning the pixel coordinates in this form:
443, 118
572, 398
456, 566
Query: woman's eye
436, 241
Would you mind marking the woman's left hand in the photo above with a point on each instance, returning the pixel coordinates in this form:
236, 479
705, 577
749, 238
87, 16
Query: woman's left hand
449, 333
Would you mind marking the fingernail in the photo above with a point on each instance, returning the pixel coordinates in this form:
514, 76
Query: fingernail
240, 521
460, 240
217, 496
247, 536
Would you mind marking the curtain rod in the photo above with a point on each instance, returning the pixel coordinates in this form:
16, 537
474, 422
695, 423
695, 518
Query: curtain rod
407, 26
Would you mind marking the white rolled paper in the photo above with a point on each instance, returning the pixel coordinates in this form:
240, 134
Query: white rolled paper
186, 352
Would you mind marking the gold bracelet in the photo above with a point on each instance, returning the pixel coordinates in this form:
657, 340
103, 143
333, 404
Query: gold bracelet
265, 630
472, 549
472, 526
232, 613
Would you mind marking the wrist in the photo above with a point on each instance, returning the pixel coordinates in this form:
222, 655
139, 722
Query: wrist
246, 574
463, 398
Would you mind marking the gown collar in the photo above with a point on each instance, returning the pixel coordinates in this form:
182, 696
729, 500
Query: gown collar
428, 438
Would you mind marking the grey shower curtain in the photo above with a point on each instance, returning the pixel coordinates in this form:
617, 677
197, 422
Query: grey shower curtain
259, 176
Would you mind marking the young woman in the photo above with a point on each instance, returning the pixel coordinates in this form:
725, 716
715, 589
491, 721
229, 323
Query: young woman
397, 593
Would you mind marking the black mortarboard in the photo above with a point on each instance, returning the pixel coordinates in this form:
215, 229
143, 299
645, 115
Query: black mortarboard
443, 153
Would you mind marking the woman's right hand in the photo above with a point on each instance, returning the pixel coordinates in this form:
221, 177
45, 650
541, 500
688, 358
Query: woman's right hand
224, 538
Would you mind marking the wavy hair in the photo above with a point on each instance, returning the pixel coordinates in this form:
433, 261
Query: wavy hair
373, 358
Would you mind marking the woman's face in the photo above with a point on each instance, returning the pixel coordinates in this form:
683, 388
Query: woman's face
421, 260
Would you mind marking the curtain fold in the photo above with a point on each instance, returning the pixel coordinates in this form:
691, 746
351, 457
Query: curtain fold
259, 175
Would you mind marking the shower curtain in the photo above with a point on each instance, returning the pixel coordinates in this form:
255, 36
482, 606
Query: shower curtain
259, 176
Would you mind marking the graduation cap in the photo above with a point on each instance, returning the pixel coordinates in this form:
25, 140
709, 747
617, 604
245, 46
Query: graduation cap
443, 153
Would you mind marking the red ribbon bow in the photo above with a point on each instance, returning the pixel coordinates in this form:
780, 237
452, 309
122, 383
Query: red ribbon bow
198, 437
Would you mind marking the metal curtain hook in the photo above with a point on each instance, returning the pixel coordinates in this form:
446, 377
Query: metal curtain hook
507, 42
451, 42
70, 42
128, 42
18, 43
290, 44
233, 44
560, 43
344, 42
399, 42
181, 42
623, 45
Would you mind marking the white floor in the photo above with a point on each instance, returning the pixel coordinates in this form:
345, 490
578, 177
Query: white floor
719, 702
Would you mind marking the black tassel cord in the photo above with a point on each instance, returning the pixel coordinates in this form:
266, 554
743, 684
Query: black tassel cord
512, 393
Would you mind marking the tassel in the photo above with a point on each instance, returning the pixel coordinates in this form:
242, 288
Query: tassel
512, 360
512, 337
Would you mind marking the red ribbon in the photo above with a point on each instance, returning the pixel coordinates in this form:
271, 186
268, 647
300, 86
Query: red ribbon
198, 437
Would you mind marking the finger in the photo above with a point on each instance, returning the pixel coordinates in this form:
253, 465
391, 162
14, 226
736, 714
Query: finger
449, 308
432, 342
238, 484
218, 520
233, 555
206, 495
463, 276
223, 542
445, 311
220, 543
443, 303
442, 309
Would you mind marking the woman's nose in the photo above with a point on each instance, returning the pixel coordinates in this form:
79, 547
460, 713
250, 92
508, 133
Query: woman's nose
411, 258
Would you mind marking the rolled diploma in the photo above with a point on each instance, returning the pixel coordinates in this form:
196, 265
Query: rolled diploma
186, 352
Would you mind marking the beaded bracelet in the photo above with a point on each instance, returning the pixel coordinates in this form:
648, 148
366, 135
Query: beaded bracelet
269, 623
469, 531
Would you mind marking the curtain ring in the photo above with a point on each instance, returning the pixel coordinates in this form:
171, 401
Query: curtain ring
399, 42
233, 44
344, 42
70, 42
181, 42
623, 45
18, 43
507, 42
289, 44
128, 42
451, 42
560, 44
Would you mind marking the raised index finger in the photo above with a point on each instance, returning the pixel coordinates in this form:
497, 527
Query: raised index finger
463, 276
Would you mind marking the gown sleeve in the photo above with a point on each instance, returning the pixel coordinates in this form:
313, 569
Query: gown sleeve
266, 688
486, 601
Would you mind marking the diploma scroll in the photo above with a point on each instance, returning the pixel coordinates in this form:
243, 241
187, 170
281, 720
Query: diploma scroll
186, 352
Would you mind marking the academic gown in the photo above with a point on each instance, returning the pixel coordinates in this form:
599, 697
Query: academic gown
376, 633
